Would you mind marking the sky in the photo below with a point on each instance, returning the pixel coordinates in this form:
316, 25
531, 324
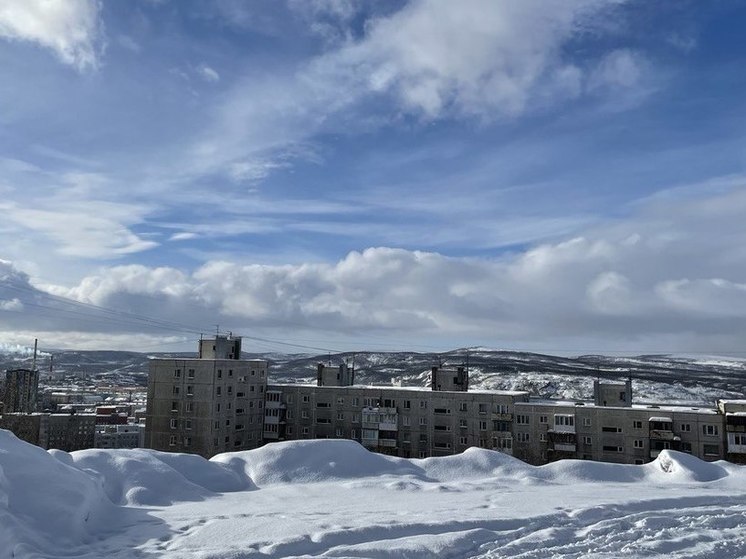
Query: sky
555, 176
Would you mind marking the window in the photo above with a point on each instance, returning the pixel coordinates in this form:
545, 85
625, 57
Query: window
217, 406
174, 423
463, 423
323, 404
686, 447
407, 404
227, 422
422, 454
218, 391
423, 404
187, 424
564, 420
177, 373
289, 414
611, 429
217, 425
543, 419
356, 401
172, 440
251, 388
338, 432
442, 427
739, 439
230, 390
710, 430
340, 416
711, 450
622, 396
189, 406
304, 414
340, 401
501, 408
187, 441
353, 433
482, 425
504, 444
543, 437
220, 373
521, 419
441, 411
304, 431
611, 448
586, 422
423, 421
406, 421
638, 443
174, 406
588, 441
175, 391
190, 390
523, 437
482, 408
356, 418
687, 427
463, 407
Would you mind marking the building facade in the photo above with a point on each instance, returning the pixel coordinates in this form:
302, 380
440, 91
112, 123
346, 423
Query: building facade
209, 404
63, 431
21, 391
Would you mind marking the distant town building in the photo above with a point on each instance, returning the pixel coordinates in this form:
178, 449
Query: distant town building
21, 391
209, 404
63, 431
119, 436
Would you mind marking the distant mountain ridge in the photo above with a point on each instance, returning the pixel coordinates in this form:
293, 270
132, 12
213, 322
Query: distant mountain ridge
656, 377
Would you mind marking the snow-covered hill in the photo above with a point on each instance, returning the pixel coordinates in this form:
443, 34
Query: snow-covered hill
333, 498
657, 378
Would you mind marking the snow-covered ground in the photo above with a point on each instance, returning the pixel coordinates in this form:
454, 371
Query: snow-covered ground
334, 499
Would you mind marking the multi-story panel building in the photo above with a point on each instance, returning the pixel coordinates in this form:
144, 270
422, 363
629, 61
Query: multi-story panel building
131, 435
612, 429
408, 422
209, 404
21, 390
63, 431
734, 412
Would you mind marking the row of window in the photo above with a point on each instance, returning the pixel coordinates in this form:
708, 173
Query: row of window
219, 372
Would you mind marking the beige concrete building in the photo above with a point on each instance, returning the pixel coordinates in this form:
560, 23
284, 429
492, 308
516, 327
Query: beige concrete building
209, 404
63, 431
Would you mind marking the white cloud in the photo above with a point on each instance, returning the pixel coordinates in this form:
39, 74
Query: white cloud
11, 305
71, 28
208, 74
651, 283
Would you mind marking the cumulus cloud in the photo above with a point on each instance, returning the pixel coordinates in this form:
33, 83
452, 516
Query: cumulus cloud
72, 29
652, 282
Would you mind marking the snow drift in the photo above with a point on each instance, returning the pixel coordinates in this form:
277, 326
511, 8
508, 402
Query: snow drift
60, 504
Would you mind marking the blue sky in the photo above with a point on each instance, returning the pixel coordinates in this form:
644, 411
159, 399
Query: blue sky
550, 175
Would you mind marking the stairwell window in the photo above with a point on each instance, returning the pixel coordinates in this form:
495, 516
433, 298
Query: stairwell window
710, 430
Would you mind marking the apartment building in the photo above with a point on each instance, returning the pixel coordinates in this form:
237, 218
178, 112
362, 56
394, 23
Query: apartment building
130, 435
63, 431
21, 391
614, 431
407, 422
413, 422
209, 404
217, 402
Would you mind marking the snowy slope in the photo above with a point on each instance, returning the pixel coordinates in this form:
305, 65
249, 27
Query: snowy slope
334, 499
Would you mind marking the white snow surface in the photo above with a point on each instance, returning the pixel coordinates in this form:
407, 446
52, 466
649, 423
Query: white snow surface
333, 498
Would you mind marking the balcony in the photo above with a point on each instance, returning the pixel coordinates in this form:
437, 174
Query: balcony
564, 447
502, 416
270, 405
390, 443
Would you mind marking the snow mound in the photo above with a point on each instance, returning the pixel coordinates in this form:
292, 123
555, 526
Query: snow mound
475, 463
685, 467
314, 461
41, 495
149, 477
